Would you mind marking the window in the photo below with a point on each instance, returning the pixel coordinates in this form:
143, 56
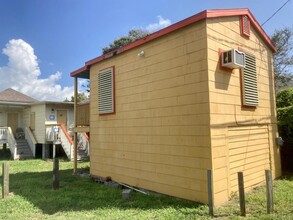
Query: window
106, 102
249, 82
245, 26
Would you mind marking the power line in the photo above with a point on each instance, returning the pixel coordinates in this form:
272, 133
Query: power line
275, 12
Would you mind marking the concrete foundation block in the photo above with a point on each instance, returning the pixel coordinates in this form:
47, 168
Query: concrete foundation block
126, 193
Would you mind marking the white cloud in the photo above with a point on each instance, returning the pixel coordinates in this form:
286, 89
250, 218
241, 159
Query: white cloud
82, 86
22, 73
162, 23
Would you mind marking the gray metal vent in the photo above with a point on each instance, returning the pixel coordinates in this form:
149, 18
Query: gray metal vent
249, 82
106, 91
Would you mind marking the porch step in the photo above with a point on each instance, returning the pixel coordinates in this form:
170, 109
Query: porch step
82, 155
23, 149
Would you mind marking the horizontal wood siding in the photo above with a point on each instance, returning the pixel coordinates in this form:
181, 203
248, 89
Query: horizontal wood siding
40, 117
226, 108
159, 137
25, 117
52, 109
4, 111
83, 115
3, 118
249, 152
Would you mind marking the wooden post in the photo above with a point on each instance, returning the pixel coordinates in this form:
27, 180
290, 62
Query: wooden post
75, 125
54, 150
241, 194
56, 173
210, 193
5, 177
269, 186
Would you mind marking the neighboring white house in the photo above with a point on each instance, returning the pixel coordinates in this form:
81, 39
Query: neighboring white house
29, 126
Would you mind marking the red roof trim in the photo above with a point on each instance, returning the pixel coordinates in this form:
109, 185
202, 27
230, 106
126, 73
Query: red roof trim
195, 18
239, 12
150, 37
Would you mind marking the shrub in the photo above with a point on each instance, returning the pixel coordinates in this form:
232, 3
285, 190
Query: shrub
285, 98
285, 122
285, 114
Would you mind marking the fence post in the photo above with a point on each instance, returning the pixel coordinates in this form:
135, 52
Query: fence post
210, 193
54, 150
269, 186
56, 173
5, 177
241, 194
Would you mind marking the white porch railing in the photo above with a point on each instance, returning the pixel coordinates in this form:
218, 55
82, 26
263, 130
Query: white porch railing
30, 140
3, 135
66, 142
50, 134
11, 143
58, 133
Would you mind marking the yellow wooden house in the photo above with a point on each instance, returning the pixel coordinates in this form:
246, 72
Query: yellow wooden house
194, 96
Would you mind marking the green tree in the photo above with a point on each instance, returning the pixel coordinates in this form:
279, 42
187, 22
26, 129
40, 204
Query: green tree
285, 113
283, 59
132, 36
80, 97
285, 98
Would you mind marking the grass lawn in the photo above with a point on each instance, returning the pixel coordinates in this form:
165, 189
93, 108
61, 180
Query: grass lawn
32, 197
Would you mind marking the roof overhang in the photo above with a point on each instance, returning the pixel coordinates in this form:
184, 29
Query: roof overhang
53, 103
22, 105
14, 104
207, 14
83, 72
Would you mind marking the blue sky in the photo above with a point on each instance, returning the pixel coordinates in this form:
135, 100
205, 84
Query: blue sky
58, 36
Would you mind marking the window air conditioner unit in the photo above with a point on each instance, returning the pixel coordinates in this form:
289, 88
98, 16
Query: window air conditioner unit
233, 59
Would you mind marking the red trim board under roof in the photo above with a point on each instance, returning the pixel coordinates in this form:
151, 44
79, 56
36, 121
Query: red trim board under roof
193, 19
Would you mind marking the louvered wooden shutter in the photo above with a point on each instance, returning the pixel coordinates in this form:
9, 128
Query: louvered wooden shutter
245, 25
249, 82
106, 91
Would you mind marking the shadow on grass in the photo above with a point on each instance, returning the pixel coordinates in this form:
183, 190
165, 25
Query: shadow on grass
81, 193
286, 175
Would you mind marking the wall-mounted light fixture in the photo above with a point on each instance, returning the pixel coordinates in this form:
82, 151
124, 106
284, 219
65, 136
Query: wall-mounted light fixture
141, 53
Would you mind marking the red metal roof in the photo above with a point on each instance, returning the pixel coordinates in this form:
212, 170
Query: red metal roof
193, 19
